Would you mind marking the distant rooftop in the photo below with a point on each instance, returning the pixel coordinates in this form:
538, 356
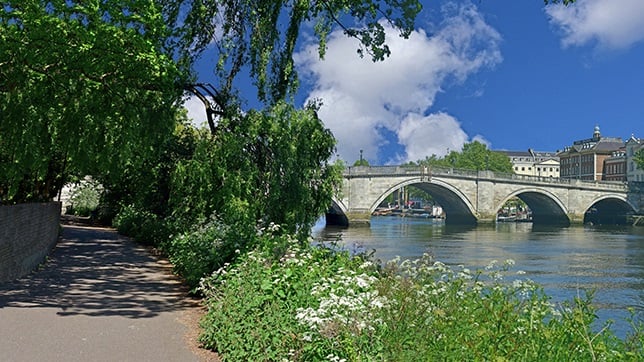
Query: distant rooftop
530, 153
595, 144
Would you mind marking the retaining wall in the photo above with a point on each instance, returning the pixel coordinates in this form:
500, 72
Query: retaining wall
28, 232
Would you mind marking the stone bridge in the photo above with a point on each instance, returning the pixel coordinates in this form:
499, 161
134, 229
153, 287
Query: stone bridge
474, 197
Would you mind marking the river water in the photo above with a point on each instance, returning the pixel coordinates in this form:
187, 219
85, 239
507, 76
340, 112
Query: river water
565, 261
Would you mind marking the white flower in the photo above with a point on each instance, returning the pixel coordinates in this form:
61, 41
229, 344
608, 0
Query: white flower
491, 265
334, 358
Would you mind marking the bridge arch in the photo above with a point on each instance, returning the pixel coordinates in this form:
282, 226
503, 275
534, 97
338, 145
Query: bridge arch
546, 207
337, 213
458, 208
608, 209
339, 205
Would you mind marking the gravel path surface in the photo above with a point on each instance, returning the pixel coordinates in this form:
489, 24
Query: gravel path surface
99, 297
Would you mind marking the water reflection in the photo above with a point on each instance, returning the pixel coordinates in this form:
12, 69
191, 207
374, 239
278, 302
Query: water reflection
566, 261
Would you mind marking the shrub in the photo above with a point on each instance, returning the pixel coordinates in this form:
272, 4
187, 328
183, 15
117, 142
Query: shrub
253, 305
85, 198
203, 249
144, 226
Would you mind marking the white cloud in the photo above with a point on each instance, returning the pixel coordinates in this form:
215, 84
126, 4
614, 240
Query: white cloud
361, 97
611, 24
427, 135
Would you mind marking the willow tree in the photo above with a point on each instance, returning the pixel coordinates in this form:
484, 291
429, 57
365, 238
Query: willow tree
84, 86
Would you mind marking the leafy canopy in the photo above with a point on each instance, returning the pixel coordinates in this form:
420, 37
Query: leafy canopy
272, 167
84, 86
474, 156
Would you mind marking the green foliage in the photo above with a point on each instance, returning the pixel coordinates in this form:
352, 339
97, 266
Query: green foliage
146, 183
285, 300
361, 162
85, 198
206, 247
253, 306
84, 87
267, 167
261, 35
473, 156
145, 226
270, 167
639, 158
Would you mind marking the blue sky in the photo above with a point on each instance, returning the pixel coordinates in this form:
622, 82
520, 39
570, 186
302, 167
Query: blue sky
512, 74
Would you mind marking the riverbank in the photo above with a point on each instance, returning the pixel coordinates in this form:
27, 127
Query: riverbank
289, 300
101, 297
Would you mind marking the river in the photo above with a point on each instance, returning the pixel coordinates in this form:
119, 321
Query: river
565, 261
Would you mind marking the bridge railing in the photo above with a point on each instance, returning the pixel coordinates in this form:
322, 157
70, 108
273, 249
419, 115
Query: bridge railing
361, 171
618, 185
375, 171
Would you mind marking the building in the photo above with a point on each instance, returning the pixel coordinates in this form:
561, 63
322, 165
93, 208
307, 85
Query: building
534, 163
584, 159
633, 173
615, 166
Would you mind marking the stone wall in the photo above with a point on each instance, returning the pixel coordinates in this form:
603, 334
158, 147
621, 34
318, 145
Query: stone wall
28, 232
636, 195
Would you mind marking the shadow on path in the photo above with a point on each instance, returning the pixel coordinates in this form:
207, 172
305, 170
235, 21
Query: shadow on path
96, 272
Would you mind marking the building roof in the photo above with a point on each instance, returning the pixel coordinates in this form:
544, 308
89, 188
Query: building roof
549, 161
596, 144
634, 140
530, 153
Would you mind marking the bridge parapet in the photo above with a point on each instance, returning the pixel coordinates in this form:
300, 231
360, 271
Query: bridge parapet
392, 171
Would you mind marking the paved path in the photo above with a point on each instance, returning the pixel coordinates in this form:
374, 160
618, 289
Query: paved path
99, 297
